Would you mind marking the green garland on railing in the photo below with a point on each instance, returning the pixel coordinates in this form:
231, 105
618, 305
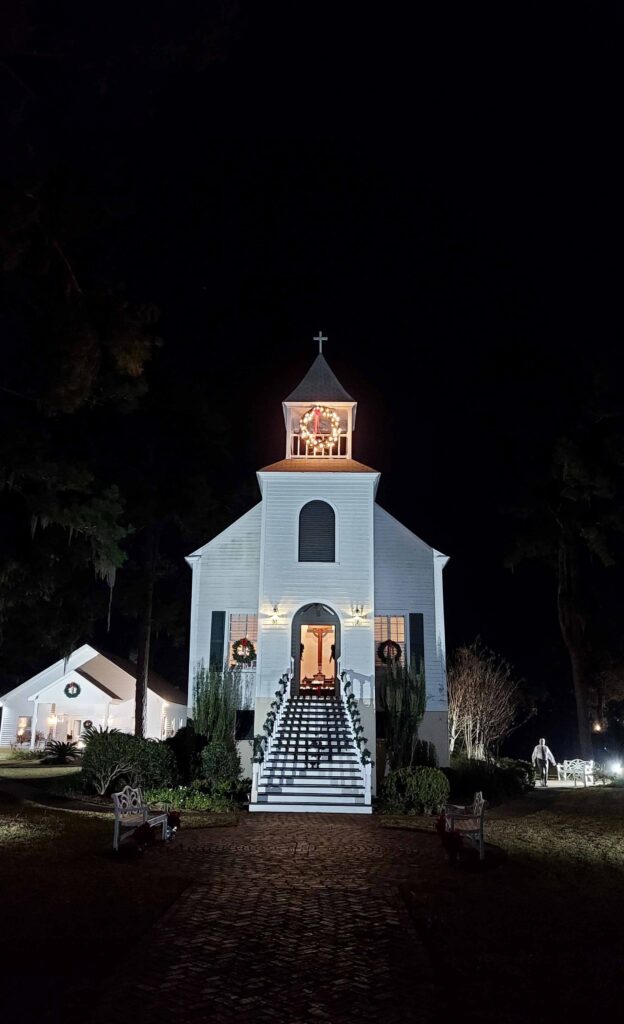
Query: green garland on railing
260, 741
259, 745
356, 719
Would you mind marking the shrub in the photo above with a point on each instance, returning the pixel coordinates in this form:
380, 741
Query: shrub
187, 746
58, 752
26, 755
118, 758
220, 762
216, 697
155, 763
199, 797
419, 790
108, 758
402, 699
498, 781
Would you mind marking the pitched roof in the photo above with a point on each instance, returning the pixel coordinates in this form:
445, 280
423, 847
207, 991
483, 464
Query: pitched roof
318, 465
320, 384
162, 687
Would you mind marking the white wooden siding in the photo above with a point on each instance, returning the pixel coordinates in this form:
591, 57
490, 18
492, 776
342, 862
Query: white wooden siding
290, 584
405, 581
225, 578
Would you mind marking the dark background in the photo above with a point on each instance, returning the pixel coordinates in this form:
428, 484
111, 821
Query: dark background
439, 192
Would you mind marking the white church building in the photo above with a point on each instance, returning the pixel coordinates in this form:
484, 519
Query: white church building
308, 595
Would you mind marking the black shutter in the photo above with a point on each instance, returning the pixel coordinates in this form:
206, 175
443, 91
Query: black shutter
416, 640
217, 640
317, 533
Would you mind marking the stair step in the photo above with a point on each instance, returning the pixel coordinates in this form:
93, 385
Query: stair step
306, 788
300, 762
304, 808
286, 774
314, 796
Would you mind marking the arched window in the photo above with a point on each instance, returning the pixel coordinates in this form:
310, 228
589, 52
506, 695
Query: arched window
317, 533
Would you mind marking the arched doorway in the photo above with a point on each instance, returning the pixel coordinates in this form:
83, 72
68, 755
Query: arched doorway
316, 651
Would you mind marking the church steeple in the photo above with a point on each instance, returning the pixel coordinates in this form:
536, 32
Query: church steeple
319, 414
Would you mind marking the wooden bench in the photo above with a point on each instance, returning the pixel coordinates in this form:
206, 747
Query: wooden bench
131, 812
576, 769
467, 821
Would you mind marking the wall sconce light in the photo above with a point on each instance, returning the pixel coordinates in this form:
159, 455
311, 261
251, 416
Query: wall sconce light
275, 617
358, 615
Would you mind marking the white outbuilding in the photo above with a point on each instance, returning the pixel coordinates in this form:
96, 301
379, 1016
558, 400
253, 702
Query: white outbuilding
311, 593
88, 687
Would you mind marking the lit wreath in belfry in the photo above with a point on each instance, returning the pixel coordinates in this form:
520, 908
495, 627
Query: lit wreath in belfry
310, 428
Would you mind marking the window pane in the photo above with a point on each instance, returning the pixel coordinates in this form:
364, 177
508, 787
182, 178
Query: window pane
242, 627
317, 532
389, 627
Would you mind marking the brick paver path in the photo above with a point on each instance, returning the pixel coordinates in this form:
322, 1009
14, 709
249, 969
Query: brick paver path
291, 919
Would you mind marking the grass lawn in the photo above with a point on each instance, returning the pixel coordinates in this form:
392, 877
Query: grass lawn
540, 933
70, 907
29, 771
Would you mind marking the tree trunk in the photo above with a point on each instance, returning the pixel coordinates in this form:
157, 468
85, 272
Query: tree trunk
572, 625
145, 634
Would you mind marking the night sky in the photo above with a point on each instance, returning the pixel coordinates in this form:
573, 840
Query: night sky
439, 193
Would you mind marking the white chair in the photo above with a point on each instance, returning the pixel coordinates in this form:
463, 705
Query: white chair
576, 769
131, 812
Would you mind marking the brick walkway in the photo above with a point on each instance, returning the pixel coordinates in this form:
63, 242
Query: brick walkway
290, 919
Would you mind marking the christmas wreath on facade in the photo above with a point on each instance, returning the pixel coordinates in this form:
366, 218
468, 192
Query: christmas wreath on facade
243, 652
72, 690
389, 651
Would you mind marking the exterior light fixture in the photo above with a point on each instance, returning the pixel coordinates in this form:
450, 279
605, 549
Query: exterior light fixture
358, 615
275, 617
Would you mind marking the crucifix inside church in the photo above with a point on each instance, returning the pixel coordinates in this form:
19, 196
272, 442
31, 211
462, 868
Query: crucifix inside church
318, 657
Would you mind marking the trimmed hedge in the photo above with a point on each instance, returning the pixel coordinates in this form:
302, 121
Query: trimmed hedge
419, 790
498, 781
115, 759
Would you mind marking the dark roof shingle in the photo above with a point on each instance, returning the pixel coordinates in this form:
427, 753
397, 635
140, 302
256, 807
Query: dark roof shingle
320, 384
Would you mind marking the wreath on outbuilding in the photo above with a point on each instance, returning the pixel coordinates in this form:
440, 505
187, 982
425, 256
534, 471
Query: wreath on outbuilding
389, 651
243, 652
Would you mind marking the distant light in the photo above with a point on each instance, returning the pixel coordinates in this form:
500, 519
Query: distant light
615, 767
597, 727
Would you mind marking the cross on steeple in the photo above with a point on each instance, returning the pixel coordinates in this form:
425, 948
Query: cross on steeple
320, 337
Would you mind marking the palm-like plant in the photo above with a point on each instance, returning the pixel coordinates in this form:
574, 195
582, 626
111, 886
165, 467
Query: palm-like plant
96, 730
57, 752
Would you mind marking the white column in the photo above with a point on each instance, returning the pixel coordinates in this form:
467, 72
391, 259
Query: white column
106, 715
33, 724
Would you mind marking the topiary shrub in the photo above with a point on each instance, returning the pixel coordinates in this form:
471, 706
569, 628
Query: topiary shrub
220, 763
419, 790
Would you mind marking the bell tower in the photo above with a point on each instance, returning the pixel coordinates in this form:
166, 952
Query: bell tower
319, 414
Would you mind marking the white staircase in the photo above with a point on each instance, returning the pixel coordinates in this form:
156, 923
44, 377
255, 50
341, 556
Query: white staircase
312, 762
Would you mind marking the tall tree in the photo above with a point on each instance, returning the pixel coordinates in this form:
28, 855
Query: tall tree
571, 522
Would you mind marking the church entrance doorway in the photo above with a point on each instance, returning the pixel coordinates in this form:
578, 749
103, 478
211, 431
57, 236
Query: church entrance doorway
316, 651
